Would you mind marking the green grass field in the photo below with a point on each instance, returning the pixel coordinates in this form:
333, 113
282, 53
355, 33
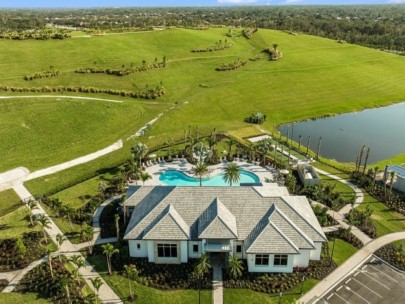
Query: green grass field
395, 160
9, 201
15, 224
316, 77
343, 250
18, 298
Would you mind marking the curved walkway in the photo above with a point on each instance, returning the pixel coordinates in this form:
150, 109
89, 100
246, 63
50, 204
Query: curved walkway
343, 270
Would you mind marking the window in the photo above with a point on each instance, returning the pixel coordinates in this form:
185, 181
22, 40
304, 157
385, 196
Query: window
195, 248
262, 259
167, 250
138, 246
280, 260
238, 248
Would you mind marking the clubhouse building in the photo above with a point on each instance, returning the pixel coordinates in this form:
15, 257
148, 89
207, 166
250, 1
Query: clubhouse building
264, 225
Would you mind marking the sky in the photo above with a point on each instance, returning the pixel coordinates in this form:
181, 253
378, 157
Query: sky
117, 3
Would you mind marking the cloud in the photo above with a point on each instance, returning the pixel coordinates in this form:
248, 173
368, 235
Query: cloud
237, 1
396, 1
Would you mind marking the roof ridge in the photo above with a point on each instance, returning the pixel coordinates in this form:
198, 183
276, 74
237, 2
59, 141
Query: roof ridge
289, 205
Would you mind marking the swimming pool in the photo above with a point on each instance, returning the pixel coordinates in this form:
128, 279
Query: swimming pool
177, 178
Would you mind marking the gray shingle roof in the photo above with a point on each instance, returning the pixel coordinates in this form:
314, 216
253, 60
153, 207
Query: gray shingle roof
217, 222
168, 225
244, 207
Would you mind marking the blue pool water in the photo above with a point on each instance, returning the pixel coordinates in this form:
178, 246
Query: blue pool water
177, 178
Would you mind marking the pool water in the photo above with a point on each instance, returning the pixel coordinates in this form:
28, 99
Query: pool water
177, 178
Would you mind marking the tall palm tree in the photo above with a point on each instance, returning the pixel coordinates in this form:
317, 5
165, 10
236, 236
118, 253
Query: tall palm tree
366, 160
235, 266
45, 223
68, 212
60, 239
117, 224
264, 147
360, 158
139, 150
132, 274
49, 256
86, 234
201, 268
109, 251
132, 170
78, 262
230, 143
200, 170
124, 207
97, 282
231, 173
144, 177
32, 205
375, 176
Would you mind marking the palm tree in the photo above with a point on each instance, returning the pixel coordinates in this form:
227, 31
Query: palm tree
32, 205
360, 158
117, 224
375, 176
299, 142
319, 148
231, 173
392, 176
139, 151
60, 239
366, 160
235, 267
64, 284
97, 282
144, 177
201, 268
78, 262
200, 170
49, 256
132, 170
132, 274
385, 180
86, 234
45, 223
124, 208
68, 212
230, 143
264, 147
109, 251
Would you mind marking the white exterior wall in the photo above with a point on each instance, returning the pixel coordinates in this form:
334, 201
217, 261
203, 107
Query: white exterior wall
270, 268
191, 254
135, 252
316, 253
399, 184
151, 251
302, 259
183, 250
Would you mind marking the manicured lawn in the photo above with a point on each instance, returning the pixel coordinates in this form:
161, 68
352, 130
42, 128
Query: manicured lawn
9, 201
148, 295
18, 298
395, 160
346, 191
15, 224
242, 296
343, 250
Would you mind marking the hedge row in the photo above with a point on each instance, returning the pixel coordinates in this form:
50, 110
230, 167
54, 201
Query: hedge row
248, 32
44, 74
35, 34
231, 66
146, 94
219, 46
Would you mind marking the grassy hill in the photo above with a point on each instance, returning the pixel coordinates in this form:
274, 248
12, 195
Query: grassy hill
315, 77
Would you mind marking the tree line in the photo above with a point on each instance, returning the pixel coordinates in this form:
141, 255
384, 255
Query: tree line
219, 46
231, 65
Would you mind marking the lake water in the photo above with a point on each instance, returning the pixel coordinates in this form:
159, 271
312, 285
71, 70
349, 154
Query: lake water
381, 129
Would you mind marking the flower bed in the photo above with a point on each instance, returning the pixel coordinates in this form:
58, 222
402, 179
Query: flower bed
394, 255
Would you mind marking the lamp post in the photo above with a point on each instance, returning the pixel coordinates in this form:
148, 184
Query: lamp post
302, 284
333, 249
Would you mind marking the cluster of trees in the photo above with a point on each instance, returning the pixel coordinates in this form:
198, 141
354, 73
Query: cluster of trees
274, 52
148, 93
326, 195
378, 26
126, 71
231, 65
248, 32
361, 219
257, 118
44, 74
44, 34
219, 46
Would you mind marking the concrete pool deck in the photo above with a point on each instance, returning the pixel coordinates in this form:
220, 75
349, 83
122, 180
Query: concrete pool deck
184, 166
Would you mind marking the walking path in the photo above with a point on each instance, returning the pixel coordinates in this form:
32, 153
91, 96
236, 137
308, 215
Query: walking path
10, 275
106, 294
343, 270
60, 96
81, 160
217, 262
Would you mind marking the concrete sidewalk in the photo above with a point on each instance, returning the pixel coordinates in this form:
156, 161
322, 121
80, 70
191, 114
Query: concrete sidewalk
343, 270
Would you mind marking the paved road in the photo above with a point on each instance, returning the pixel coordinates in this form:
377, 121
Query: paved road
354, 261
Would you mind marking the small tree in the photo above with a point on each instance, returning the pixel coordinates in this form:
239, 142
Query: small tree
78, 262
139, 150
200, 170
32, 205
124, 208
235, 267
97, 282
60, 239
132, 274
86, 234
45, 223
231, 173
64, 284
20, 248
144, 177
201, 268
49, 256
109, 251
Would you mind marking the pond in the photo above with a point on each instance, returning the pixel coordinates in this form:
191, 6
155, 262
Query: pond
381, 129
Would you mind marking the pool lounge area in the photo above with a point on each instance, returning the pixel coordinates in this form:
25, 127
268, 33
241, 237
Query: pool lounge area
179, 173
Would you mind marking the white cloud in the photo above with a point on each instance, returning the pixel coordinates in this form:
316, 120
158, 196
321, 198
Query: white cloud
237, 1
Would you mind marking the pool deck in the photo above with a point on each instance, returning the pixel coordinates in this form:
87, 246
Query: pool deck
186, 167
